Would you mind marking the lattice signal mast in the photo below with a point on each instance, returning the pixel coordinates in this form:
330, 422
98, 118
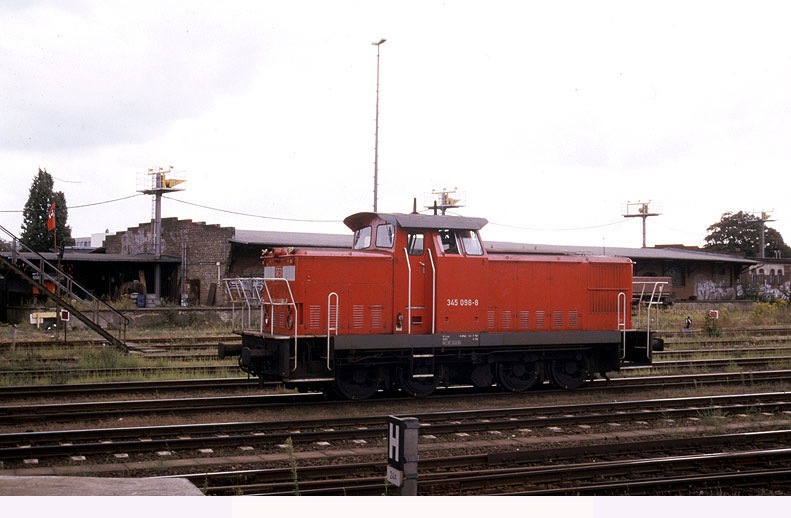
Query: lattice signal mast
444, 199
643, 210
157, 181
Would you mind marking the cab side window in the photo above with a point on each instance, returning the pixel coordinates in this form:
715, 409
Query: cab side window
414, 243
472, 245
449, 243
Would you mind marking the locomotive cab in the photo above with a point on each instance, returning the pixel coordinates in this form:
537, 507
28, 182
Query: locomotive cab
418, 302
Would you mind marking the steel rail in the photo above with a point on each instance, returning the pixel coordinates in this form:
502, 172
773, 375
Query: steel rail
349, 428
272, 479
127, 386
734, 462
482, 481
84, 410
710, 363
157, 340
25, 391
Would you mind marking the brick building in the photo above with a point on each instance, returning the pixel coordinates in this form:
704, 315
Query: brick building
769, 278
203, 251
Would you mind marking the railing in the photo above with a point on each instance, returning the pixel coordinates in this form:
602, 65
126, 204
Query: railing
331, 328
409, 294
254, 292
622, 305
653, 302
68, 292
433, 292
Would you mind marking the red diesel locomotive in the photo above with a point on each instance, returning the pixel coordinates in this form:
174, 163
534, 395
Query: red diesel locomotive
418, 302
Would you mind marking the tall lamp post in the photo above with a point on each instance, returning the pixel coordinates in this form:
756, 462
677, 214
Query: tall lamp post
376, 133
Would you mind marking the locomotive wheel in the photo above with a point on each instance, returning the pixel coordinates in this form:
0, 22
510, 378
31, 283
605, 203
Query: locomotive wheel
568, 373
356, 382
481, 376
518, 376
417, 387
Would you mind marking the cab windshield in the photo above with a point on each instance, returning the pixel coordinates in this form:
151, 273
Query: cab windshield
384, 236
362, 238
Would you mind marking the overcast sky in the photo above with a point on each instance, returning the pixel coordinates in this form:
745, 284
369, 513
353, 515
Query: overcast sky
550, 116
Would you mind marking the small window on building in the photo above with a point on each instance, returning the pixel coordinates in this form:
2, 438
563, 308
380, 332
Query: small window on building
384, 236
472, 245
414, 243
779, 276
771, 276
362, 238
449, 243
761, 276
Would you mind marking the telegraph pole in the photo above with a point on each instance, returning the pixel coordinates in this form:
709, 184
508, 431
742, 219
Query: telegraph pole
764, 220
640, 209
376, 133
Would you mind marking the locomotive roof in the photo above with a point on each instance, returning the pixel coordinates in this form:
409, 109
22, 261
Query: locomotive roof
426, 221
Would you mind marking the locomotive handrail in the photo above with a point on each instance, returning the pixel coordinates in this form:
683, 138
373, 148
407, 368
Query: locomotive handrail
259, 286
655, 301
293, 303
409, 294
433, 291
621, 311
329, 327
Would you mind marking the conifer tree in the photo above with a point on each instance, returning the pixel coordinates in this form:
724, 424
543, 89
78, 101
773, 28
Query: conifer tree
36, 211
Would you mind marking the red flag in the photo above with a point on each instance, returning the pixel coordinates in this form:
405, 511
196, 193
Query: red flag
51, 218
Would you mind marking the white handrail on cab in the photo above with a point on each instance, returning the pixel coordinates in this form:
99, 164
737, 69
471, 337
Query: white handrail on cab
329, 327
409, 294
433, 291
621, 311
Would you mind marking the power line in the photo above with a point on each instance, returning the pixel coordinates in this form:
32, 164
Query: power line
255, 215
84, 205
67, 181
103, 202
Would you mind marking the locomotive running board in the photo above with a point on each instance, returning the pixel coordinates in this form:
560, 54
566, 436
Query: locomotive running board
540, 338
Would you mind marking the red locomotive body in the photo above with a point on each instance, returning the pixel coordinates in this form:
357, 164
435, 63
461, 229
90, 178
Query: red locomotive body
418, 302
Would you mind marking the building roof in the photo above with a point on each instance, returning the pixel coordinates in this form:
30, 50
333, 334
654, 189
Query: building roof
301, 239
632, 253
297, 239
83, 257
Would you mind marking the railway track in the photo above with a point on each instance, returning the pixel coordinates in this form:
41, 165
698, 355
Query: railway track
269, 434
70, 411
131, 387
230, 367
158, 341
142, 372
571, 471
208, 352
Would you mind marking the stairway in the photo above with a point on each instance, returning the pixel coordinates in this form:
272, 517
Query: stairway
68, 293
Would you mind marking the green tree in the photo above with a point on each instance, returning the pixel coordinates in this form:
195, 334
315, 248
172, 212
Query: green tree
36, 211
741, 232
